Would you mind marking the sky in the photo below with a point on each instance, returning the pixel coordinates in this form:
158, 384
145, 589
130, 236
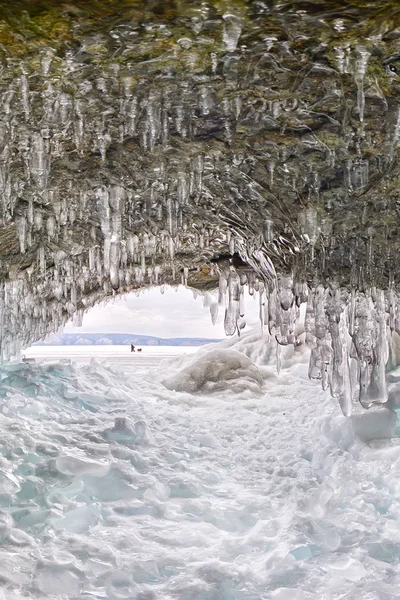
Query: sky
176, 313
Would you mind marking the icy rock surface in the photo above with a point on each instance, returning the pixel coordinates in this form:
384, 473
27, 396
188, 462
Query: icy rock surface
144, 143
162, 495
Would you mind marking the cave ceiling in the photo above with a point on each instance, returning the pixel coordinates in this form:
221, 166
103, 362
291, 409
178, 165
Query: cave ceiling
150, 142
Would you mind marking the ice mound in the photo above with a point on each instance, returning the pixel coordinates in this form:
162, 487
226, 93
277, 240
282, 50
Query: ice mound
217, 371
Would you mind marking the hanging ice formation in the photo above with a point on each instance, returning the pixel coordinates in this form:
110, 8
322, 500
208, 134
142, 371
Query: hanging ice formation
349, 333
212, 144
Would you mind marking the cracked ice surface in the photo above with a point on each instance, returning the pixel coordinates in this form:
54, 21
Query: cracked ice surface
114, 487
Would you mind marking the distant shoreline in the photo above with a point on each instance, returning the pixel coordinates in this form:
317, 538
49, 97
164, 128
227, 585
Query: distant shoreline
119, 339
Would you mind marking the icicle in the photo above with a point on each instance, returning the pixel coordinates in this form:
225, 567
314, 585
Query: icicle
114, 255
232, 31
38, 161
361, 67
42, 259
371, 346
25, 96
288, 312
78, 318
20, 224
340, 379
241, 301
232, 309
223, 285
274, 315
214, 312
92, 258
278, 358
171, 248
316, 326
51, 227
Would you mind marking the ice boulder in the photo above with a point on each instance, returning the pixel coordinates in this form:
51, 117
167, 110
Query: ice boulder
218, 370
81, 465
79, 519
126, 432
377, 423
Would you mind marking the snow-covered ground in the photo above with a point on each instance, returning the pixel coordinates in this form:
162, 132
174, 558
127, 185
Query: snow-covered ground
242, 485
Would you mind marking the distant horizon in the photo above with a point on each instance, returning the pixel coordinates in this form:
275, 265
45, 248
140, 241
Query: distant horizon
158, 337
121, 339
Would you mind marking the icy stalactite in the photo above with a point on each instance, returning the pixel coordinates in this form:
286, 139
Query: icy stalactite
340, 382
20, 223
40, 300
317, 335
289, 311
342, 328
361, 69
345, 331
100, 127
231, 31
370, 341
232, 312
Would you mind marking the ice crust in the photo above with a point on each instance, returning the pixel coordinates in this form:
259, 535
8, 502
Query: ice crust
153, 493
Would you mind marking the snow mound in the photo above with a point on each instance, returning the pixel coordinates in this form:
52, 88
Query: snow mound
218, 370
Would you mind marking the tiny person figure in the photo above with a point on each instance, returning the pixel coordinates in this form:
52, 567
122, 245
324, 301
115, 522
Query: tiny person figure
132, 348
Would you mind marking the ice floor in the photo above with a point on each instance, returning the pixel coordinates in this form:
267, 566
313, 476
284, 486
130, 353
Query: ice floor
250, 486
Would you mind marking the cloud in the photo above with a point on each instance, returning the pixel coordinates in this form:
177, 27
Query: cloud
176, 313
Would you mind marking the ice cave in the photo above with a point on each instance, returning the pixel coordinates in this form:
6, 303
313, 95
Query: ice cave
232, 147
219, 143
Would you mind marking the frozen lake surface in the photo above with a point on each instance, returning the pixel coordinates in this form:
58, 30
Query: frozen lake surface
243, 485
149, 356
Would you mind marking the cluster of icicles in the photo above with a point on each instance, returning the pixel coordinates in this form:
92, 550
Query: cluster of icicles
42, 126
348, 332
40, 300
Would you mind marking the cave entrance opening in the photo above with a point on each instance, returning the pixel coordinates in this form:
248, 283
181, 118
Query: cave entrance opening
157, 316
